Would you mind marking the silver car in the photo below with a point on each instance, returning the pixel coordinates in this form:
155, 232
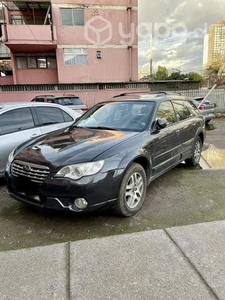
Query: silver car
207, 108
20, 122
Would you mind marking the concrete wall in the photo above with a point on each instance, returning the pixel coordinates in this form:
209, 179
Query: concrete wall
88, 97
90, 93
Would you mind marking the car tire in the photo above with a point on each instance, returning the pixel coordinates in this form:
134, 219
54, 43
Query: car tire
132, 191
196, 153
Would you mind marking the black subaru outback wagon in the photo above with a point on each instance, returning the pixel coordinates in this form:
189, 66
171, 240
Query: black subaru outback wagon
109, 156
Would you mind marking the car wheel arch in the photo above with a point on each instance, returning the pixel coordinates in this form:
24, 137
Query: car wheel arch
143, 161
201, 135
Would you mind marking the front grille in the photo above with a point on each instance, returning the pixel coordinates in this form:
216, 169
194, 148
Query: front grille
35, 173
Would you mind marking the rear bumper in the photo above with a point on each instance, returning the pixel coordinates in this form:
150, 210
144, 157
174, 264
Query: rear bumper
209, 116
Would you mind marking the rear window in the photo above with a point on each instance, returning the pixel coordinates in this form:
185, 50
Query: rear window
69, 101
38, 100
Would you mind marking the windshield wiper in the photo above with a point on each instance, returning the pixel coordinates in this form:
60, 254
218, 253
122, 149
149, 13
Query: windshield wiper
101, 127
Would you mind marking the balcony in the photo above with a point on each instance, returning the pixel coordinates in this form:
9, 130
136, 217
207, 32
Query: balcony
29, 37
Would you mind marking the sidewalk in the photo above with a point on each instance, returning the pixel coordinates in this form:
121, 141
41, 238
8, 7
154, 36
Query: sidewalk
183, 263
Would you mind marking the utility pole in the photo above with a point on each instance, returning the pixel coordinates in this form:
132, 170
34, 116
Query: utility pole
151, 54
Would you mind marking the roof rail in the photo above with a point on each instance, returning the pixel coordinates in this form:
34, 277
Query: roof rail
130, 93
154, 92
71, 95
166, 92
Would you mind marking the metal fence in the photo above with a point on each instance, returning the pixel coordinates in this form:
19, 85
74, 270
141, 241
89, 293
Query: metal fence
217, 96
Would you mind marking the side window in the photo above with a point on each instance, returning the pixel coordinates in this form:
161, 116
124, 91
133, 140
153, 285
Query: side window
192, 109
16, 120
49, 115
181, 109
67, 117
166, 111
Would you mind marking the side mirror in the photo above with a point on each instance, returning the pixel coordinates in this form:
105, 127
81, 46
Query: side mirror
161, 123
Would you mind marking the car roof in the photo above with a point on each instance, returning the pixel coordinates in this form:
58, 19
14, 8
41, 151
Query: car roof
9, 105
152, 96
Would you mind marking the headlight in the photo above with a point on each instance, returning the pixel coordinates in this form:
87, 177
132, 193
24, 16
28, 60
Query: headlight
10, 157
80, 170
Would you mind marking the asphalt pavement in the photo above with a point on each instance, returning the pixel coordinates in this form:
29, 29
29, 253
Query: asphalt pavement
181, 262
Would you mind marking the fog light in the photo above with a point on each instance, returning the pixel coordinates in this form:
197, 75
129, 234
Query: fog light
80, 203
36, 198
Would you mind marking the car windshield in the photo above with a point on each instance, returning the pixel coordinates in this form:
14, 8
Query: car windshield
127, 116
70, 101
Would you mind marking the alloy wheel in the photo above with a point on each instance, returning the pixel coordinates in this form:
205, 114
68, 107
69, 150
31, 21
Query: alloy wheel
134, 190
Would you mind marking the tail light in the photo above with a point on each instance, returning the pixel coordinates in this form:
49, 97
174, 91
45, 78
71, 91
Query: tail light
201, 107
84, 109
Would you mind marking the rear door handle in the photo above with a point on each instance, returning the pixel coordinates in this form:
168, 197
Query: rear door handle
177, 131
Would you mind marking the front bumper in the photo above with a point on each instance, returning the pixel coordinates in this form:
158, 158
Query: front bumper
100, 191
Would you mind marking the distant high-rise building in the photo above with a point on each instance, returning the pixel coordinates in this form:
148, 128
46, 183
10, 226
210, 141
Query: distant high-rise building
216, 44
205, 50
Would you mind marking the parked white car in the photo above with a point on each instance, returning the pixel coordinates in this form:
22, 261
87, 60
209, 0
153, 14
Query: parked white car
20, 122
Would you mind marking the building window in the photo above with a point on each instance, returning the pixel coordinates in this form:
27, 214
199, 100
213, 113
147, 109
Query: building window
51, 62
21, 63
36, 62
72, 16
75, 56
31, 63
28, 20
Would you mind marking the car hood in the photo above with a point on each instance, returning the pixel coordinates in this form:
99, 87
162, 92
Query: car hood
72, 145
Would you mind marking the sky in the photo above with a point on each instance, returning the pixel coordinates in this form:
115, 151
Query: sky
177, 28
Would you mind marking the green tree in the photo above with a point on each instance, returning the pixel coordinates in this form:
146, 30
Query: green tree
195, 76
161, 73
174, 76
177, 76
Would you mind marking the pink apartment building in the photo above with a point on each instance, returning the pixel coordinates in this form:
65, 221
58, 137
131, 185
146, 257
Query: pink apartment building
71, 41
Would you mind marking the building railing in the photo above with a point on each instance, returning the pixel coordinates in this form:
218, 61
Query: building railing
34, 34
75, 86
156, 85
